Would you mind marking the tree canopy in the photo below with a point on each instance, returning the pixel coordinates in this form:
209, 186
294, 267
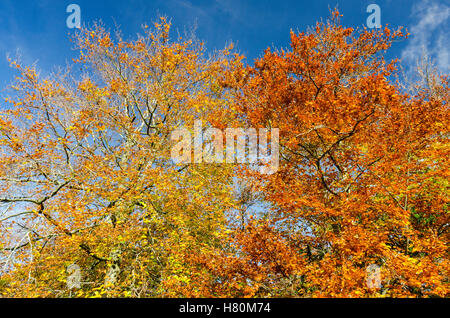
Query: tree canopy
87, 178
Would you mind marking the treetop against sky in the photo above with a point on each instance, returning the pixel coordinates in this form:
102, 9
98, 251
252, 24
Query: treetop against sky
37, 31
127, 173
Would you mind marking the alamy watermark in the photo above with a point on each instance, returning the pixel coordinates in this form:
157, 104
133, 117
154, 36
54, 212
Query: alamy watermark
373, 20
373, 276
208, 146
74, 19
74, 278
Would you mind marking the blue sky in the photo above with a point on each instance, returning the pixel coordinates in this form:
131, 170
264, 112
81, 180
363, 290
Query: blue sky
37, 29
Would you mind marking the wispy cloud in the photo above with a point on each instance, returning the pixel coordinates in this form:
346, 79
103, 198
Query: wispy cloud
429, 35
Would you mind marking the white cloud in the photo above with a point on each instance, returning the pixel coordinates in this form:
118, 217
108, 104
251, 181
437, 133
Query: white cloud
429, 35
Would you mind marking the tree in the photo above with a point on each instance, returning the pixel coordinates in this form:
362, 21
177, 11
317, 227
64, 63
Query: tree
358, 207
363, 179
86, 174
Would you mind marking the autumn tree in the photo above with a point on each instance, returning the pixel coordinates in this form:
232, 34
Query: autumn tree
363, 176
87, 178
86, 175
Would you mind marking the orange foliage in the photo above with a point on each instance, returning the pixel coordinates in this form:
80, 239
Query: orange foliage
86, 176
364, 173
